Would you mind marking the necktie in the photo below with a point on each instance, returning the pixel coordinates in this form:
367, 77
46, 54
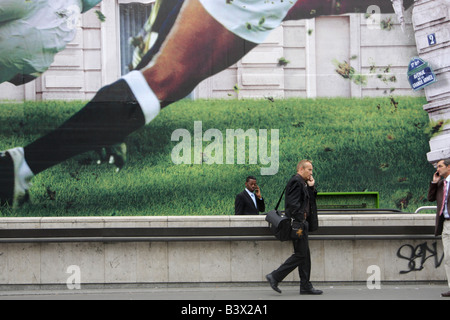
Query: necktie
444, 199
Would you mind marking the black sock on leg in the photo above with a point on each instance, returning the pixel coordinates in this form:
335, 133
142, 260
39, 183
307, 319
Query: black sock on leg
112, 115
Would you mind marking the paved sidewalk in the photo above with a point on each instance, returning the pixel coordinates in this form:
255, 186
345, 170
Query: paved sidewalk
235, 293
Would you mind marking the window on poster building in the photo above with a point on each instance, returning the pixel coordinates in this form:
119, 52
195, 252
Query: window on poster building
133, 17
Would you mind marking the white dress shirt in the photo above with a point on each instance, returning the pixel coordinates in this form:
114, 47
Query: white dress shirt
445, 212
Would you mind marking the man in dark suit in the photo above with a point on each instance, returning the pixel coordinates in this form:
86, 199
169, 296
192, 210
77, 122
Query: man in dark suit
300, 204
249, 201
439, 192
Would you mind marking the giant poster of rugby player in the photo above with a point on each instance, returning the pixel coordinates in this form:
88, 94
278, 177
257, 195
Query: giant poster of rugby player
190, 41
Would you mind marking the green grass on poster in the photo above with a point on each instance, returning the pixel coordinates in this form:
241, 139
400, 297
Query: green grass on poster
356, 145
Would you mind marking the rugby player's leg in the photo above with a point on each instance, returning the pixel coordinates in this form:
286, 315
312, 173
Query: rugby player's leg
196, 48
166, 16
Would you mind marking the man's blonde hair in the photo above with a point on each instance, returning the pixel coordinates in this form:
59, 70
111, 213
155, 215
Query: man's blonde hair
302, 163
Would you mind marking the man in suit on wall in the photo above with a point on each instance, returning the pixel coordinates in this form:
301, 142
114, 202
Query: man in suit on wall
249, 201
439, 192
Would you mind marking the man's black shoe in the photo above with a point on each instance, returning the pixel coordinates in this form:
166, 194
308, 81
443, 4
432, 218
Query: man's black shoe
446, 294
311, 291
273, 283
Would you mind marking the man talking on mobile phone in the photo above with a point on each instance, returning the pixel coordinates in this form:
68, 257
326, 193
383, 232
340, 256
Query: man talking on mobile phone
439, 192
300, 204
249, 201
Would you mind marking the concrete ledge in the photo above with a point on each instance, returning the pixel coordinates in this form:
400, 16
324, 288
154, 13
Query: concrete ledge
165, 261
398, 219
209, 228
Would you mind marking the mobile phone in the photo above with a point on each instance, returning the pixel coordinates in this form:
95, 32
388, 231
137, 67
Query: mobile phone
437, 173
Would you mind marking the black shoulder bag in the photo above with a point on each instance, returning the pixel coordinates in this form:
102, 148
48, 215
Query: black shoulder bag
283, 227
279, 224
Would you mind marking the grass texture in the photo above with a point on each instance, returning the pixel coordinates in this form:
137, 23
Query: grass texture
370, 144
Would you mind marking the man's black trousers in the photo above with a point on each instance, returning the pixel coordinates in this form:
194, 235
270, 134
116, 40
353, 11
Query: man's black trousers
301, 259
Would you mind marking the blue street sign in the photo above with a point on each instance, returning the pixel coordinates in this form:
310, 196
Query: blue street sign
431, 39
415, 63
420, 74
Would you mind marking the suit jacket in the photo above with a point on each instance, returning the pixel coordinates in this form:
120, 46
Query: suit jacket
244, 205
298, 195
436, 193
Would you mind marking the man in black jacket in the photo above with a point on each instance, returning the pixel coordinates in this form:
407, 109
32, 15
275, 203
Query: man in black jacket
300, 205
439, 192
249, 201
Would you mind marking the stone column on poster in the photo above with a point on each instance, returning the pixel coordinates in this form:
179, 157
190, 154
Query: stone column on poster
431, 21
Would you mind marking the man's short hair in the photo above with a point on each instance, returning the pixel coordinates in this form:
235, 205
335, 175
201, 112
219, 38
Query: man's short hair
446, 162
250, 178
302, 163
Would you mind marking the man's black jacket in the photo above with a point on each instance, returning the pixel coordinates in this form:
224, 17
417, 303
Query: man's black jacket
298, 196
244, 205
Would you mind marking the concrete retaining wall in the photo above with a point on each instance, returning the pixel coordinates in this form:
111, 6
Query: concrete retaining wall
40, 263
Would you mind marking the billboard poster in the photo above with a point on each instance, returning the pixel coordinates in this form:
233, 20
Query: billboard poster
165, 107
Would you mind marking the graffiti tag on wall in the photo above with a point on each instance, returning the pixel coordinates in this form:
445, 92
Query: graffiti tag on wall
418, 255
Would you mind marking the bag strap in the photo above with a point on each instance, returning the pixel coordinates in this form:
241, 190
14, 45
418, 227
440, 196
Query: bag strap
279, 201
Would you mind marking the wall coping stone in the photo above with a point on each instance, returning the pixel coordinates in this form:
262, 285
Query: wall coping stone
401, 219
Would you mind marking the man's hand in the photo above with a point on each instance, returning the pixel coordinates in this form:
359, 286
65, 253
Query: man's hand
311, 182
258, 192
436, 177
